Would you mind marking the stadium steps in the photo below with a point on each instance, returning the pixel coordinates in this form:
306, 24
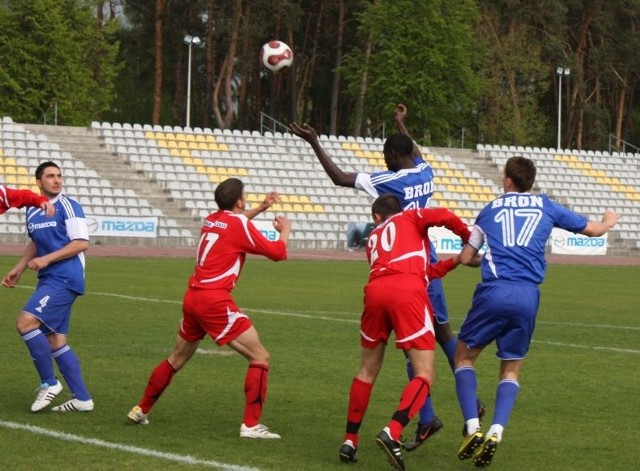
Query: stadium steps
473, 161
85, 145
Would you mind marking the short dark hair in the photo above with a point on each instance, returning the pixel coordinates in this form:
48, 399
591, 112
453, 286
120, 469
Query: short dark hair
521, 171
386, 205
400, 144
44, 165
228, 192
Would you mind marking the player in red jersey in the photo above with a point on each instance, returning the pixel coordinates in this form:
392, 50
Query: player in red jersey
12, 198
396, 299
227, 236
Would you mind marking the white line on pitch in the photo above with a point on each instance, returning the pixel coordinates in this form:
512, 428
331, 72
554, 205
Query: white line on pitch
573, 345
184, 459
357, 321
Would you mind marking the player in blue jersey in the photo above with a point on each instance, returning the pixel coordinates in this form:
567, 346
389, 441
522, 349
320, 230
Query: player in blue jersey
515, 228
410, 179
56, 252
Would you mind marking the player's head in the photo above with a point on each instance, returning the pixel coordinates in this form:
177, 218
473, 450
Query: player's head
49, 179
522, 173
228, 193
398, 150
384, 207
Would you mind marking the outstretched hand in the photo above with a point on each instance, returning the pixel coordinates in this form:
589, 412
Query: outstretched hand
282, 223
610, 218
269, 200
305, 131
400, 113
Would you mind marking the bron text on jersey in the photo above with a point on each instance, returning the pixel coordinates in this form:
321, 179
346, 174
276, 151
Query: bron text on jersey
518, 201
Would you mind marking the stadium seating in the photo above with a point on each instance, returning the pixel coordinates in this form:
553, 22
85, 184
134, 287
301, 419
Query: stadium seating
183, 166
93, 191
587, 181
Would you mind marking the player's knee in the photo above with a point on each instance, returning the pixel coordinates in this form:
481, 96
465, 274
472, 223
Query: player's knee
261, 356
443, 333
26, 322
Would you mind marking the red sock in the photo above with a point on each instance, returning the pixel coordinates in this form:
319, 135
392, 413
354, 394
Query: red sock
412, 399
359, 396
158, 381
255, 392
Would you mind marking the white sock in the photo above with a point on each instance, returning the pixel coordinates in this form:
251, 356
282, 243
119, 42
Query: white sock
496, 429
473, 425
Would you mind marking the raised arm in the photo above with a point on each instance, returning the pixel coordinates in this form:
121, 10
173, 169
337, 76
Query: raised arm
598, 228
445, 218
399, 116
338, 177
268, 201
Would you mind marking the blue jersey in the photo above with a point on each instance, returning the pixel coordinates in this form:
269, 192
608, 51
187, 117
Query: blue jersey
53, 233
516, 227
413, 186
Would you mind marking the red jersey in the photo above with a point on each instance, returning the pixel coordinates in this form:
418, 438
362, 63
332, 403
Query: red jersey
225, 240
399, 246
11, 198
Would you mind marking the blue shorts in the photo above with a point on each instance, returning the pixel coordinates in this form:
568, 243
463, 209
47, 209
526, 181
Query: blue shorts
51, 303
438, 302
505, 312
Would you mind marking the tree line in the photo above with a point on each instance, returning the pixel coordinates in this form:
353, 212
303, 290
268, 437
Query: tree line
470, 71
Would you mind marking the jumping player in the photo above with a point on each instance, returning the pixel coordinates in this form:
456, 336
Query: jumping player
410, 179
396, 299
515, 228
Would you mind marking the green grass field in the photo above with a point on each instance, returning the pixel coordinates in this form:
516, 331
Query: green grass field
577, 408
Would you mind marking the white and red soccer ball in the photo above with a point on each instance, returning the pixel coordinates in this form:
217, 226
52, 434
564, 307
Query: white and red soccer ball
276, 55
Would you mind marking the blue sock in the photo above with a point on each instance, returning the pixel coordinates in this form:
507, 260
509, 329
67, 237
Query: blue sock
409, 369
449, 349
506, 394
70, 368
40, 351
466, 386
426, 411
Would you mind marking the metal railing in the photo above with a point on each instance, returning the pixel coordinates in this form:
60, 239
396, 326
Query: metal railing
623, 146
267, 123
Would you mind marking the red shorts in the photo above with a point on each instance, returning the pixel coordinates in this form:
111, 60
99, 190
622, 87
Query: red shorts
211, 312
398, 303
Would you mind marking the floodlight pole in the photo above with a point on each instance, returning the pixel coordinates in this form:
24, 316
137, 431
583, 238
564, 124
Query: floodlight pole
560, 72
190, 41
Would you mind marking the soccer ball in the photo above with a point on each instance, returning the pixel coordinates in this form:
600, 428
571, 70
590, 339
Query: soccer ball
276, 55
